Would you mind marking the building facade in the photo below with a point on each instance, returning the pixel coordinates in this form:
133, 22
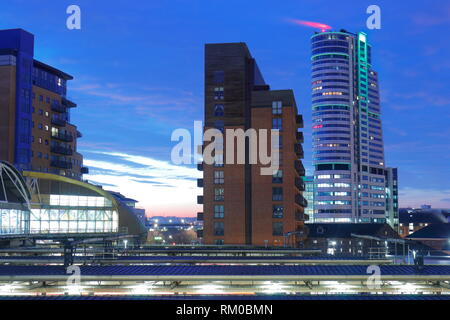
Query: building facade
347, 132
392, 210
35, 129
351, 239
242, 206
309, 196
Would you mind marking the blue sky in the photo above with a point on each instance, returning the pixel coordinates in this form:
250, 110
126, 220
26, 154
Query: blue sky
138, 69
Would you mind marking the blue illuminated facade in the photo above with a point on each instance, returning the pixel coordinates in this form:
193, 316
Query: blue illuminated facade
20, 43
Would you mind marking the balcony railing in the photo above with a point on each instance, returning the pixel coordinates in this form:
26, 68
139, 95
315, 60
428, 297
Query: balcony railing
58, 108
84, 170
200, 166
200, 183
63, 164
300, 184
300, 216
59, 122
199, 199
62, 150
299, 150
300, 137
200, 216
299, 168
200, 233
301, 201
62, 136
299, 121
69, 104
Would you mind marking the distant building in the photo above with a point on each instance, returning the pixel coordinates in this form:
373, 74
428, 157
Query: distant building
392, 215
309, 196
240, 205
425, 206
412, 220
341, 239
435, 235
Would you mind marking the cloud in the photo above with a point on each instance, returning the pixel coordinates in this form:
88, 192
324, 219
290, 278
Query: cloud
160, 187
415, 197
441, 17
166, 104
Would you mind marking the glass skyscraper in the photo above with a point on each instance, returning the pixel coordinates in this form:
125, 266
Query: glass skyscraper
347, 133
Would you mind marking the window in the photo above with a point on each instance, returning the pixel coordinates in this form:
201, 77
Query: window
218, 160
219, 110
277, 212
277, 124
277, 228
219, 229
219, 77
219, 125
218, 177
218, 93
219, 194
277, 107
277, 194
280, 142
219, 211
277, 177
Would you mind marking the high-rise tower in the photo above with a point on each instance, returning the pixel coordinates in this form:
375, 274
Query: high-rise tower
241, 206
347, 132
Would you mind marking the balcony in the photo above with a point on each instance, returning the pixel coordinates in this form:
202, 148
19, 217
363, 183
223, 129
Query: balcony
62, 136
299, 121
299, 184
62, 164
300, 137
300, 216
62, 150
299, 151
200, 216
69, 104
299, 168
200, 166
58, 121
200, 233
79, 134
199, 199
84, 170
200, 183
301, 201
58, 108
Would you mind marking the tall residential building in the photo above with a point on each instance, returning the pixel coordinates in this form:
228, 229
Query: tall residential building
347, 131
241, 206
35, 129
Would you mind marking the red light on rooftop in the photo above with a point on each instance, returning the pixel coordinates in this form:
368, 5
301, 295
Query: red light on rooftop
316, 25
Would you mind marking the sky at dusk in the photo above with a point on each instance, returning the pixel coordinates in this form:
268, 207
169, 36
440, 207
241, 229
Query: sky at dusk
138, 69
